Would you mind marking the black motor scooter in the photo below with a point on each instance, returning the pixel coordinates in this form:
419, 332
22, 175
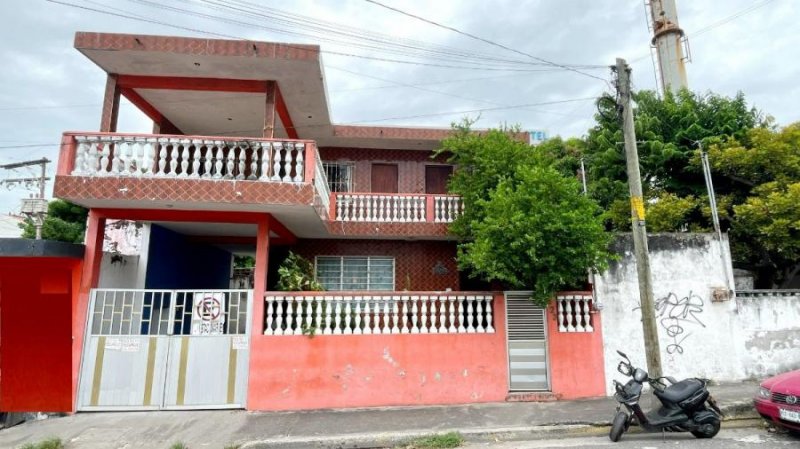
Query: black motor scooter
683, 405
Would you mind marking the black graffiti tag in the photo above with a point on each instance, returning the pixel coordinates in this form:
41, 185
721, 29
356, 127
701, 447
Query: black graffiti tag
675, 313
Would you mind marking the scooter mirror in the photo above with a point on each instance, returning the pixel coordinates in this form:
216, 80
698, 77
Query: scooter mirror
622, 353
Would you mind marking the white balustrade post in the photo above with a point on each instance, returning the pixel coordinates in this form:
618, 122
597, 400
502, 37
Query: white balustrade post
208, 163
443, 303
386, 314
114, 150
219, 151
367, 317
290, 316
241, 155
452, 314
104, 158
277, 161
569, 313
357, 319
404, 315
279, 322
229, 159
328, 305
348, 303
268, 309
173, 161
337, 330
561, 314
489, 317
479, 314
81, 157
587, 314
423, 316
130, 166
395, 312
339, 201
184, 143
266, 151
460, 300
299, 168
138, 168
414, 312
254, 161
469, 317
196, 144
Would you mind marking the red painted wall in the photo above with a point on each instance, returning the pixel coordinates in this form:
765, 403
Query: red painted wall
414, 261
298, 372
37, 297
576, 360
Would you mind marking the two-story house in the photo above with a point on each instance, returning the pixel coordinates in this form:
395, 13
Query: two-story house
244, 160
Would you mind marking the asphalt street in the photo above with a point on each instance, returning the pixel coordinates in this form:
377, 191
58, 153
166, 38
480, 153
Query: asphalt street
733, 438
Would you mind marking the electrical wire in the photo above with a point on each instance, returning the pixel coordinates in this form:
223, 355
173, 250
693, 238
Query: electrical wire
486, 40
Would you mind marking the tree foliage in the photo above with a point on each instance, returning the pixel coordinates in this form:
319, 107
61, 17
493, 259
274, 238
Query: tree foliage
754, 167
65, 222
296, 274
526, 223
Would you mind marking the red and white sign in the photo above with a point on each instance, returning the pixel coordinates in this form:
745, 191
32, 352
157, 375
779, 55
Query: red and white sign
208, 315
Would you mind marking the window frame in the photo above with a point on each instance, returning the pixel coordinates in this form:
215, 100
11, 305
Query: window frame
351, 179
369, 264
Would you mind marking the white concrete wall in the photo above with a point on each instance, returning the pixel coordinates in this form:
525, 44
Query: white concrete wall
725, 341
123, 273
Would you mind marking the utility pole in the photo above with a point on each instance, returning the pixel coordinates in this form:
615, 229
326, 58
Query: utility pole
34, 208
651, 346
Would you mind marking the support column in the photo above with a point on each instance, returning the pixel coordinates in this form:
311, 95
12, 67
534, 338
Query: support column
90, 276
108, 121
269, 111
260, 276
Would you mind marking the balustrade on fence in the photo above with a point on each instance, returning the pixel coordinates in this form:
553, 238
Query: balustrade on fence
378, 314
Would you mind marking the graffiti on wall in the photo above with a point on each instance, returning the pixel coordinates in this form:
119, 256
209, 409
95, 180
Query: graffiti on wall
675, 313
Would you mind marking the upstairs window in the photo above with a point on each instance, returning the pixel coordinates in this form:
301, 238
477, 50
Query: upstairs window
341, 273
340, 176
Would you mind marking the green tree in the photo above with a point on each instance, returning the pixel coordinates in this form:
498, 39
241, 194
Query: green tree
668, 132
526, 223
65, 222
765, 206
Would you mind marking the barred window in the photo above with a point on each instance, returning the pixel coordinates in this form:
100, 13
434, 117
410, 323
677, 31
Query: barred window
340, 176
355, 272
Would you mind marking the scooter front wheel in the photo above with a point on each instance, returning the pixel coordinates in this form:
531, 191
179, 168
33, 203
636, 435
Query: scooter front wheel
618, 426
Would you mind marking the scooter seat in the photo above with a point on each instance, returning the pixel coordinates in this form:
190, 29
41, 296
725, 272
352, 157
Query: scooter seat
680, 391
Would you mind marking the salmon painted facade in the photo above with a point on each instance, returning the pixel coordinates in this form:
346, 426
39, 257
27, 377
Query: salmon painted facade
244, 160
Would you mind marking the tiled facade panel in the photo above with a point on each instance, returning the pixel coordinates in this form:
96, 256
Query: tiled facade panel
419, 266
410, 171
194, 46
181, 190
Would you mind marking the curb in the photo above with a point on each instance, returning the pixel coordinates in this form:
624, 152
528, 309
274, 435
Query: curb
737, 415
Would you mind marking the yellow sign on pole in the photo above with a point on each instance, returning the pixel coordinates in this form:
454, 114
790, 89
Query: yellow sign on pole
637, 206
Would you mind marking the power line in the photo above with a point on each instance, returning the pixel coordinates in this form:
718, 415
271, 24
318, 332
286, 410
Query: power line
484, 40
732, 17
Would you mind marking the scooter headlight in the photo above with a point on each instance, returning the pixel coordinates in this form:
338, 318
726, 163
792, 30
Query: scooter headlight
763, 393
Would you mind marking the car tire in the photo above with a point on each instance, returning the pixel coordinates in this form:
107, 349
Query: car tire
618, 426
707, 430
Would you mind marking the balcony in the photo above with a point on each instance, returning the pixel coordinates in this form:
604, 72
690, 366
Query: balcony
283, 177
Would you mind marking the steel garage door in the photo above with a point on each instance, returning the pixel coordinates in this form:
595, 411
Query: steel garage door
527, 343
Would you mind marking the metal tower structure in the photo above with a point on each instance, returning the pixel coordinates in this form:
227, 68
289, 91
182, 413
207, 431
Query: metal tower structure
669, 43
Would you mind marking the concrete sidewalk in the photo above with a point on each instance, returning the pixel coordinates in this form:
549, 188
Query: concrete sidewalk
360, 428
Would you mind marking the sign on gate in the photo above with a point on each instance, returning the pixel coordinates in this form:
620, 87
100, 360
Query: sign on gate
208, 316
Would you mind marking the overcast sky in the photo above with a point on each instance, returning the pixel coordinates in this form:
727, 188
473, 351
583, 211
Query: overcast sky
48, 87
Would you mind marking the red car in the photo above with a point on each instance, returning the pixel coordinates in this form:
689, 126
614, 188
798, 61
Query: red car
778, 400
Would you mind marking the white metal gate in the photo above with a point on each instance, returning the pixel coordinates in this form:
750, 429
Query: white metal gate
165, 349
527, 343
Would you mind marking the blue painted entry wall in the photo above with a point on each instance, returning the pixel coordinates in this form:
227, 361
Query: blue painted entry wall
174, 262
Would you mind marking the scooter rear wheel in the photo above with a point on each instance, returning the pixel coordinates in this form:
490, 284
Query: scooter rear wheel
618, 426
708, 430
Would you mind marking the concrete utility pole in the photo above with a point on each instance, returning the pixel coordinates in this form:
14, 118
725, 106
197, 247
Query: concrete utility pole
35, 208
651, 346
669, 41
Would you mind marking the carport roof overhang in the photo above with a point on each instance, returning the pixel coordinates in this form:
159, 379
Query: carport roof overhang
214, 88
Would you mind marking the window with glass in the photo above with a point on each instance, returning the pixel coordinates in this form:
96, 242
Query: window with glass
340, 176
355, 272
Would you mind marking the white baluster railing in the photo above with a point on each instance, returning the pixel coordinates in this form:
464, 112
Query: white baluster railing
447, 208
192, 157
380, 207
383, 314
574, 313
